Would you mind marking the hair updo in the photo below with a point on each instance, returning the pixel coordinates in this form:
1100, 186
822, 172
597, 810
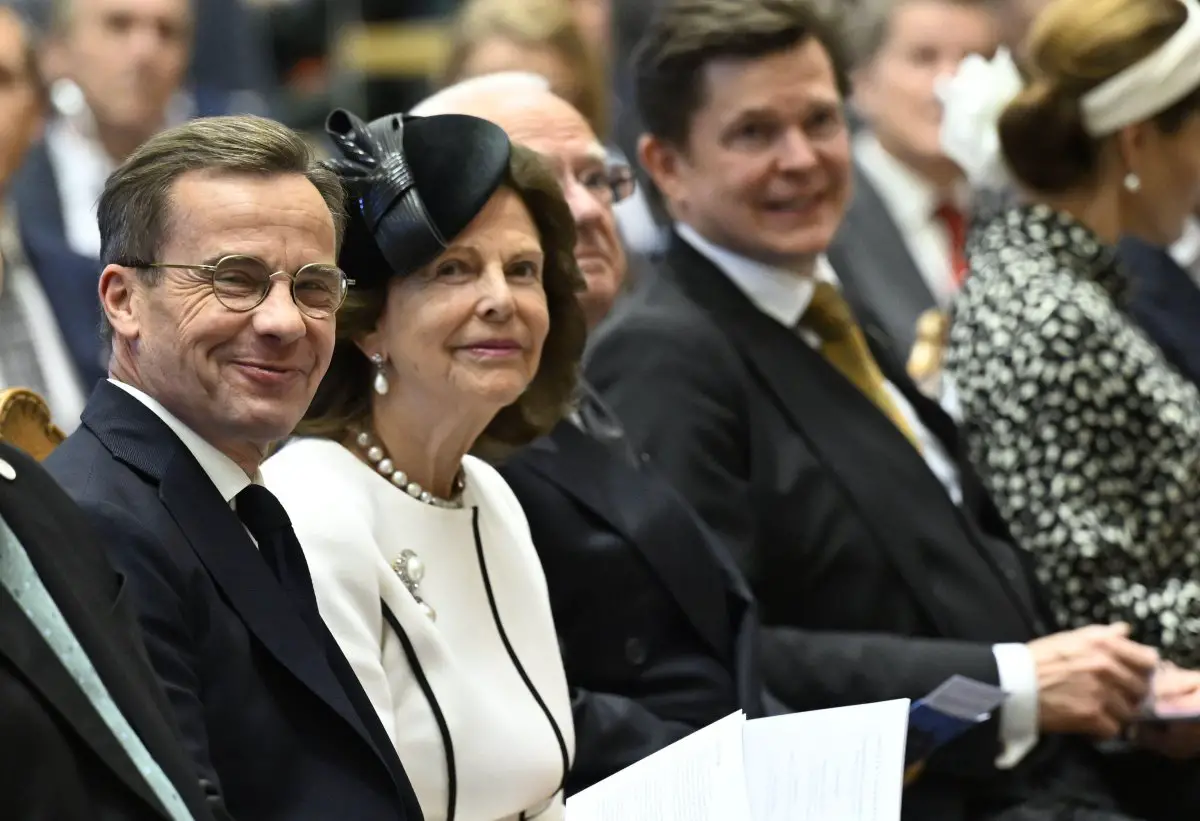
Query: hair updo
1074, 46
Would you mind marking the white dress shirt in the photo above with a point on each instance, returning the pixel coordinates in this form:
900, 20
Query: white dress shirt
81, 166
785, 296
225, 473
912, 203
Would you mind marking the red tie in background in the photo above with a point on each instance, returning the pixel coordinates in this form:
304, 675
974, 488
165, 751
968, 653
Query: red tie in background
956, 226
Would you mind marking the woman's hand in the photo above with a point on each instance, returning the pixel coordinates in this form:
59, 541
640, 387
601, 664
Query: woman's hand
1176, 692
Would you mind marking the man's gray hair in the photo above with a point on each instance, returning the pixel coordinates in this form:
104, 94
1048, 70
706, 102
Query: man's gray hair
450, 99
55, 15
867, 29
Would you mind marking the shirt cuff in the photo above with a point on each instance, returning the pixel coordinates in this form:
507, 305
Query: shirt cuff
1019, 715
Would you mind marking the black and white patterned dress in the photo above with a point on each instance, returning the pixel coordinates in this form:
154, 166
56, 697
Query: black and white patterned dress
1087, 439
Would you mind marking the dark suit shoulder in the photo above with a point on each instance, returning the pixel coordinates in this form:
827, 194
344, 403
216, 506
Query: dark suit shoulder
656, 329
121, 508
44, 517
32, 487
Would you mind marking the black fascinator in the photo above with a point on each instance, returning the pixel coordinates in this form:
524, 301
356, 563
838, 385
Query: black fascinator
413, 184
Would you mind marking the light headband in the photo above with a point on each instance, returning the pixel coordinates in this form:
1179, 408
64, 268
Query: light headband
1149, 86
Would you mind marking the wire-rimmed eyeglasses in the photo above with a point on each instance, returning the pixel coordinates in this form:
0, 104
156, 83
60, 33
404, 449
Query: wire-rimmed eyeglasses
610, 183
241, 283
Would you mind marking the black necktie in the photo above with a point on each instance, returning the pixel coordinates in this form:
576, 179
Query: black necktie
268, 522
270, 526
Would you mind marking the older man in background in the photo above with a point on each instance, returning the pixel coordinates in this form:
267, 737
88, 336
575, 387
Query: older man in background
116, 69
901, 248
33, 353
679, 651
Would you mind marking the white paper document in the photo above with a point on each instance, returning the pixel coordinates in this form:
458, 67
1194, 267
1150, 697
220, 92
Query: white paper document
698, 778
845, 764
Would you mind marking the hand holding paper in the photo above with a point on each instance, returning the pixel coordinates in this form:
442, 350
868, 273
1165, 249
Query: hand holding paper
1091, 681
1176, 693
1170, 721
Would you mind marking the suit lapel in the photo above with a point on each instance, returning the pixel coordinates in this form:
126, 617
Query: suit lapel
869, 465
1007, 560
136, 436
876, 269
584, 469
28, 652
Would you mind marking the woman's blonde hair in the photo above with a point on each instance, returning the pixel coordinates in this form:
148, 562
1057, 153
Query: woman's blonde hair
343, 400
533, 23
1073, 46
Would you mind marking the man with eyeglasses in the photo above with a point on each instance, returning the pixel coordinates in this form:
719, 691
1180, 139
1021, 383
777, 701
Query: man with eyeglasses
655, 622
219, 293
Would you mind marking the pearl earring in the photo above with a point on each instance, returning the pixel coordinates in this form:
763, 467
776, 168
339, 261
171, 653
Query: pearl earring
1132, 182
381, 382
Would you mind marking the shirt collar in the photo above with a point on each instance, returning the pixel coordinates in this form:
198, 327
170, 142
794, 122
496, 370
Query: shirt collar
909, 199
780, 294
225, 473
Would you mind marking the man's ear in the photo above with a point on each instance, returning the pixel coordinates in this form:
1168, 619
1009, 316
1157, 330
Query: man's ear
52, 58
118, 300
663, 162
863, 98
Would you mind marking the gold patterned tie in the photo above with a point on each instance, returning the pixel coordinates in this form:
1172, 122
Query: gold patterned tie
844, 346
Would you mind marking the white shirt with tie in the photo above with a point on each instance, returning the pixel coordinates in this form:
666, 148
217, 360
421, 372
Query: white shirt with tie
226, 474
785, 296
912, 204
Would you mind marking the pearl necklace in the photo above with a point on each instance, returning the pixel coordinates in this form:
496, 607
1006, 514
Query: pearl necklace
379, 460
408, 566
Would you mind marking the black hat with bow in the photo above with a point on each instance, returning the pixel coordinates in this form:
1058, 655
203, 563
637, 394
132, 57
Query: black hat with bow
412, 185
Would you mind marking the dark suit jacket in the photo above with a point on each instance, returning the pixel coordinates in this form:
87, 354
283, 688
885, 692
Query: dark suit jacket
62, 763
876, 271
69, 279
871, 582
1165, 302
265, 707
680, 650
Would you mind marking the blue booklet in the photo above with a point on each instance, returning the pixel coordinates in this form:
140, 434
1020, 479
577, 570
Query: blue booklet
956, 706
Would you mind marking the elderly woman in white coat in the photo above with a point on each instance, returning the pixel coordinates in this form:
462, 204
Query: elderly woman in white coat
461, 334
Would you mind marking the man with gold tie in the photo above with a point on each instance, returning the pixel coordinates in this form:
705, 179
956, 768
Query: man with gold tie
880, 564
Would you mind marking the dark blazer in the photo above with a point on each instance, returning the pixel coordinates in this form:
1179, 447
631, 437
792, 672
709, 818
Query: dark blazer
270, 713
62, 762
69, 279
876, 270
871, 582
1165, 302
679, 652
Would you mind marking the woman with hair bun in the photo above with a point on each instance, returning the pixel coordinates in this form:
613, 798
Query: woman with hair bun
1085, 435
